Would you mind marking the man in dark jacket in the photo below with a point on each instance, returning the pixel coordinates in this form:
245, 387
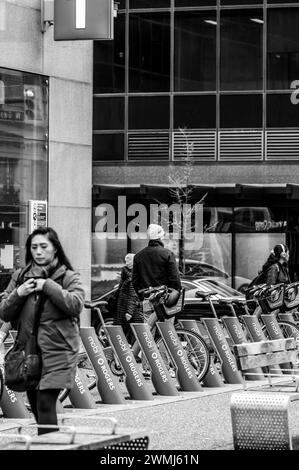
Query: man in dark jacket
155, 265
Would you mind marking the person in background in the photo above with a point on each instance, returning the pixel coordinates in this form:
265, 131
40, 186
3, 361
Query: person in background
128, 305
276, 267
155, 265
47, 280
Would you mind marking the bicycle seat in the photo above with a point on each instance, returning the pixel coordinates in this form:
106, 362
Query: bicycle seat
94, 304
204, 295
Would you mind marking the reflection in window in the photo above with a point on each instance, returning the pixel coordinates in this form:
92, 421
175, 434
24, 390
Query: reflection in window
23, 161
217, 219
107, 259
195, 51
282, 47
292, 241
260, 219
149, 52
214, 256
109, 61
252, 251
241, 50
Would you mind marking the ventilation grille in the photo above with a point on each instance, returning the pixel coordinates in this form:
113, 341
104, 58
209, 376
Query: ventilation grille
148, 146
282, 145
240, 145
202, 145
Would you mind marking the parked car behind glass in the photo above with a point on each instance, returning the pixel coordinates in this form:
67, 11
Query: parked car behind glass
194, 307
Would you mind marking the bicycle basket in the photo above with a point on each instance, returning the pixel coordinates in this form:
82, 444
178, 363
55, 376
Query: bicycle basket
273, 300
291, 296
173, 304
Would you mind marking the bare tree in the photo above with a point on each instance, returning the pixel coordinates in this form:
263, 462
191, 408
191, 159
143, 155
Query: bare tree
181, 191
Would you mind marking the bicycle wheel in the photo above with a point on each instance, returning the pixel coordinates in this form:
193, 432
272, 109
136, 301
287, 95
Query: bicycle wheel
288, 329
195, 348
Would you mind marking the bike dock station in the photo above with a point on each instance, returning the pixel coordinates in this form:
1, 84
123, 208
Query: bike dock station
132, 388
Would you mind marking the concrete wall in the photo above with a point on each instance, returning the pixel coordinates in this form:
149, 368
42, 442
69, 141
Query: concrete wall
209, 173
69, 65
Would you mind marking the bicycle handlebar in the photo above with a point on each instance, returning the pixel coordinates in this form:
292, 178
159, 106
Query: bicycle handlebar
152, 290
94, 304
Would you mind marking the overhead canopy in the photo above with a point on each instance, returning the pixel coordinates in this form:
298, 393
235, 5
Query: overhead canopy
214, 194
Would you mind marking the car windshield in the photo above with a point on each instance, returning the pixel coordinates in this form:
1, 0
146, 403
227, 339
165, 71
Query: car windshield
207, 285
212, 283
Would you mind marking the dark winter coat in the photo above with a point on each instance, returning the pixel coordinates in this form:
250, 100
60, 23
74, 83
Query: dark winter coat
277, 273
127, 300
58, 333
155, 266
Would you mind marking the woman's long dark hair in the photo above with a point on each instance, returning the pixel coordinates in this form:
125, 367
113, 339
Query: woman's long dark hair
275, 255
53, 237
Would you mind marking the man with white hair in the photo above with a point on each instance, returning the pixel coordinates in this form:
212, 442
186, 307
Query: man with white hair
155, 265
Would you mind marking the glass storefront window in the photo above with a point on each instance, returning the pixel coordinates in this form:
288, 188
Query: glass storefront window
252, 251
260, 219
292, 241
149, 52
109, 61
195, 51
108, 113
241, 47
107, 147
214, 256
107, 259
23, 161
281, 112
217, 219
149, 112
241, 111
282, 48
194, 112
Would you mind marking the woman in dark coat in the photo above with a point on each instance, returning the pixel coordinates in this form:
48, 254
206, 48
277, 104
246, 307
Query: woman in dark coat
276, 267
48, 281
128, 305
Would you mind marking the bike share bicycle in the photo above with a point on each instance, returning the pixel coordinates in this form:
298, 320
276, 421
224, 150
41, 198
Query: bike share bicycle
193, 344
280, 300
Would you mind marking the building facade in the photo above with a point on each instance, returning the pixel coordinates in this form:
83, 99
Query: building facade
45, 136
218, 77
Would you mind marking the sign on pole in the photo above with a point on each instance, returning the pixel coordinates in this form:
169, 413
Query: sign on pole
135, 383
37, 214
163, 383
108, 385
212, 377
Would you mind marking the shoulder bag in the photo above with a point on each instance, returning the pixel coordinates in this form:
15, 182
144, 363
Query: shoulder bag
22, 365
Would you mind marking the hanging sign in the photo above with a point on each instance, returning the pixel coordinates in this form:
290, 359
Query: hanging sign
37, 214
83, 19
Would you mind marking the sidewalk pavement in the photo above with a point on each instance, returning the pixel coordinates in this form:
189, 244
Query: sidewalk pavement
191, 421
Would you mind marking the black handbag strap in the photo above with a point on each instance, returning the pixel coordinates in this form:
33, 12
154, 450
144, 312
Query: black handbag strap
38, 312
